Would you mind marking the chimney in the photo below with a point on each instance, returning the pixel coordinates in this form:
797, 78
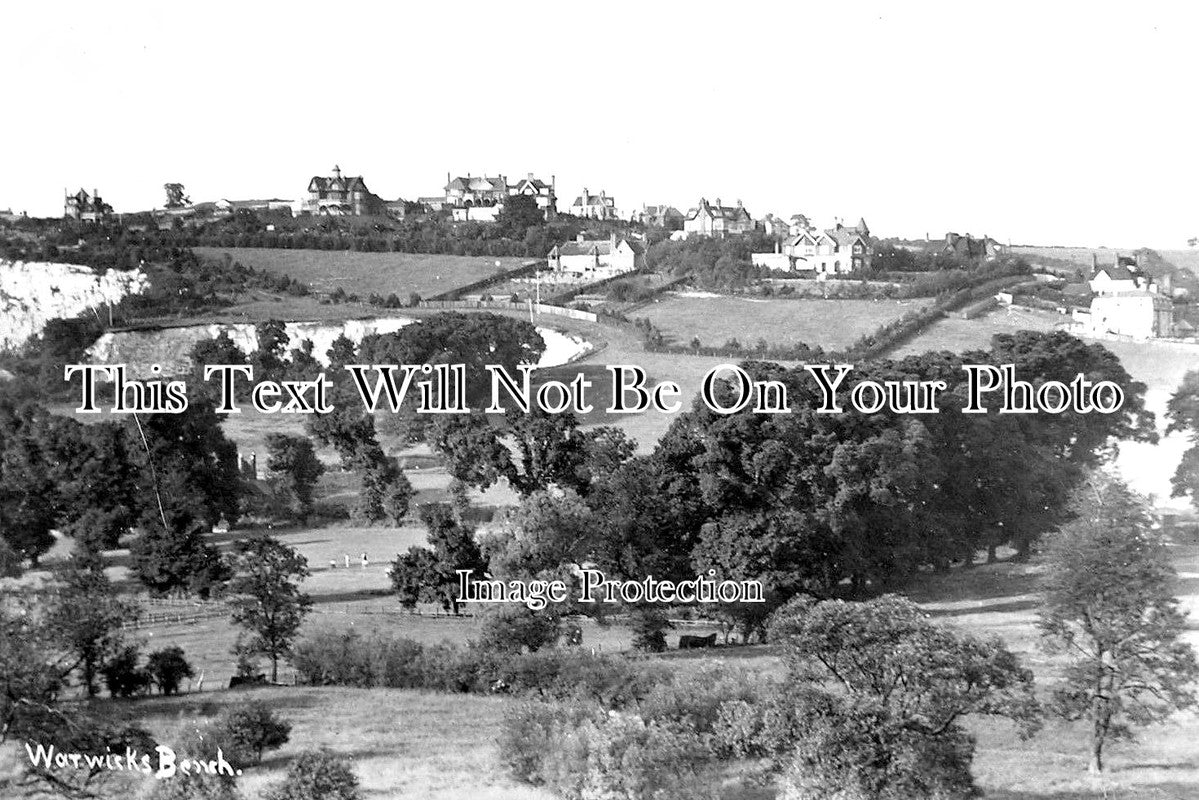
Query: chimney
580, 238
739, 203
1168, 284
530, 176
717, 202
586, 196
1094, 261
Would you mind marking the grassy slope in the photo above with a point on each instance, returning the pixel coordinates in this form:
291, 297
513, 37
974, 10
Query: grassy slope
828, 323
364, 273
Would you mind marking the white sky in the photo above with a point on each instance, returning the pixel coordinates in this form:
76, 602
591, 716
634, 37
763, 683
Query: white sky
1035, 122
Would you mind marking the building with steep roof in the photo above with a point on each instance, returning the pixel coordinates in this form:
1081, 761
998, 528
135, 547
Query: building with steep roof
83, 207
594, 206
339, 196
659, 216
970, 249
481, 198
833, 251
714, 219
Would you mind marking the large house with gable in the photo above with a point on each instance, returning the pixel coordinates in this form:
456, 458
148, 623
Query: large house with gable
341, 196
480, 198
84, 207
594, 206
714, 219
834, 251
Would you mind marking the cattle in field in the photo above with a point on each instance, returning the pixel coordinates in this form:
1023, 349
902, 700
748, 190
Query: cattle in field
247, 680
687, 642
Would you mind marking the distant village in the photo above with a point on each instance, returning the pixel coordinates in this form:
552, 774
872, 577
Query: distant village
1119, 298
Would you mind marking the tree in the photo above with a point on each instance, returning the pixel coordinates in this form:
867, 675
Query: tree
1183, 414
429, 575
176, 196
317, 775
294, 461
177, 558
546, 531
265, 596
123, 676
86, 615
191, 466
519, 214
902, 687
168, 667
649, 626
268, 359
1109, 605
255, 729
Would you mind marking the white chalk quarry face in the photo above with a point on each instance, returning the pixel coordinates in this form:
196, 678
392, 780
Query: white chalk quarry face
34, 292
171, 347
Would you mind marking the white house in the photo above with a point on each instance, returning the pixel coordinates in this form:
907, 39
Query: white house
708, 219
594, 206
1140, 314
595, 260
837, 250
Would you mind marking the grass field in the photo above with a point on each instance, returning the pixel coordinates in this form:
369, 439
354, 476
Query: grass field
367, 273
716, 319
415, 744
958, 335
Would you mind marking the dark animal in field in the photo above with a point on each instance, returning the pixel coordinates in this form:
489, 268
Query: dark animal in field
247, 680
687, 642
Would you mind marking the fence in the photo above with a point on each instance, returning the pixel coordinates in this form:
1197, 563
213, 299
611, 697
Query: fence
502, 305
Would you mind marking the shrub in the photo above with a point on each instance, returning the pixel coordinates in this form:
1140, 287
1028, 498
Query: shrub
255, 729
195, 786
576, 750
509, 628
168, 668
317, 775
649, 629
122, 675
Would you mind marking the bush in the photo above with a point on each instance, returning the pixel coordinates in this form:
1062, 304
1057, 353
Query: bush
578, 751
317, 775
347, 659
255, 729
168, 668
508, 628
860, 751
122, 675
649, 630
195, 786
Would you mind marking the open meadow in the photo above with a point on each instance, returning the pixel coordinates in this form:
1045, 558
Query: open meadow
442, 746
715, 319
369, 273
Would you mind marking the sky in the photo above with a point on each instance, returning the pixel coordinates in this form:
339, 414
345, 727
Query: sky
1037, 123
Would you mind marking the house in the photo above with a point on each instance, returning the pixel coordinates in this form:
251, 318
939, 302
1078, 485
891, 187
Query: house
1125, 275
968, 248
547, 199
1128, 301
338, 196
709, 219
481, 198
83, 207
667, 217
1140, 314
836, 250
594, 206
595, 260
